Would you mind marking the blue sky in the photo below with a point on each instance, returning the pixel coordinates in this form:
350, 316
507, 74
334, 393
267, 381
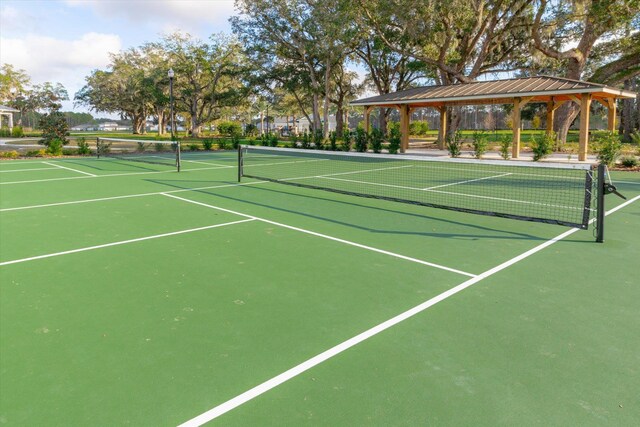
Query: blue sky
63, 41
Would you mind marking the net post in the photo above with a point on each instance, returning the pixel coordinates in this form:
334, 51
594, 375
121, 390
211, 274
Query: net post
239, 162
98, 147
178, 162
600, 204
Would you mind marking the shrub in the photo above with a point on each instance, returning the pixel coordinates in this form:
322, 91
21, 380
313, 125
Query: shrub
536, 121
207, 144
250, 130
542, 147
318, 139
69, 152
333, 141
395, 139
505, 147
418, 128
228, 128
5, 132
361, 140
36, 153
346, 140
273, 140
17, 132
222, 144
480, 142
293, 141
306, 140
54, 147
629, 162
54, 127
160, 147
376, 140
454, 144
9, 154
608, 147
264, 139
83, 146
193, 147
635, 139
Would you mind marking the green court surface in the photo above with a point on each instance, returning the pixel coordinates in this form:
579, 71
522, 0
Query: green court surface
131, 294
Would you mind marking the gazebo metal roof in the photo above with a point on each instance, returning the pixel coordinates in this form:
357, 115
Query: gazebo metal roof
540, 89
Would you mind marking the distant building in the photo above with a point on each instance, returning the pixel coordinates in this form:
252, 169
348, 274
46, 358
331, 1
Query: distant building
87, 127
286, 125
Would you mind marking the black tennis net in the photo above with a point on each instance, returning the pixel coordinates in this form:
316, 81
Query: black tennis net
137, 150
541, 192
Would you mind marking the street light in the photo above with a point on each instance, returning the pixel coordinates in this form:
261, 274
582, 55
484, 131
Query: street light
173, 140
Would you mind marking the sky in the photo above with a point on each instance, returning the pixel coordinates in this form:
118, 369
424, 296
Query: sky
64, 40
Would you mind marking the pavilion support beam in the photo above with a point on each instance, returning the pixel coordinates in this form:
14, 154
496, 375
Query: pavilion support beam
585, 105
404, 127
442, 132
611, 106
367, 112
550, 117
515, 148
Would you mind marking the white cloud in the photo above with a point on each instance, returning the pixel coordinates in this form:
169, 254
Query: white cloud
13, 20
192, 16
55, 60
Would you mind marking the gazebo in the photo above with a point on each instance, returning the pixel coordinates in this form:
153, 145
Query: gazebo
553, 91
7, 111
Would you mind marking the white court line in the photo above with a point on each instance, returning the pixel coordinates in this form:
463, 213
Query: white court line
467, 181
322, 357
69, 169
123, 242
111, 175
28, 170
626, 182
127, 196
324, 236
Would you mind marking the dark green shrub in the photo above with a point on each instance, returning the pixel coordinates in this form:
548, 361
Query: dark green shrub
235, 140
480, 143
293, 142
346, 140
505, 147
83, 146
306, 140
222, 144
376, 140
228, 128
543, 146
5, 132
454, 144
608, 147
17, 132
333, 141
250, 130
193, 146
361, 140
160, 147
273, 140
264, 139
36, 153
318, 139
54, 148
207, 144
54, 126
395, 139
69, 152
629, 162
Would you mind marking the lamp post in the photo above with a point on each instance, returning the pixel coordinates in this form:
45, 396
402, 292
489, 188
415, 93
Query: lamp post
173, 140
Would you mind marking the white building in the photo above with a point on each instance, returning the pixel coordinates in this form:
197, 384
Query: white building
285, 125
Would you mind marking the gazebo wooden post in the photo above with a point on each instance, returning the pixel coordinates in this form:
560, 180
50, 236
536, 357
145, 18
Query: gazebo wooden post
442, 132
515, 148
367, 111
611, 106
585, 104
404, 127
550, 116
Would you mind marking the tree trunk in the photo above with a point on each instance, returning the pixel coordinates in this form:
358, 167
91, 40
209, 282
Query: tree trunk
327, 88
627, 114
339, 119
454, 117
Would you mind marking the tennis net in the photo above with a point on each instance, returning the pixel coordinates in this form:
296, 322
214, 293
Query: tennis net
541, 192
137, 150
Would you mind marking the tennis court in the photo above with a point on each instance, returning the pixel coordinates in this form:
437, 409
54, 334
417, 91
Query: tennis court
136, 295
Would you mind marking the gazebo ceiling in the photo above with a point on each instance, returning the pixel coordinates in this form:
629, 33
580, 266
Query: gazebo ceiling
536, 89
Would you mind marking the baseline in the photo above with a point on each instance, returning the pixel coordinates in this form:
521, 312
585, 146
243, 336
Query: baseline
333, 351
